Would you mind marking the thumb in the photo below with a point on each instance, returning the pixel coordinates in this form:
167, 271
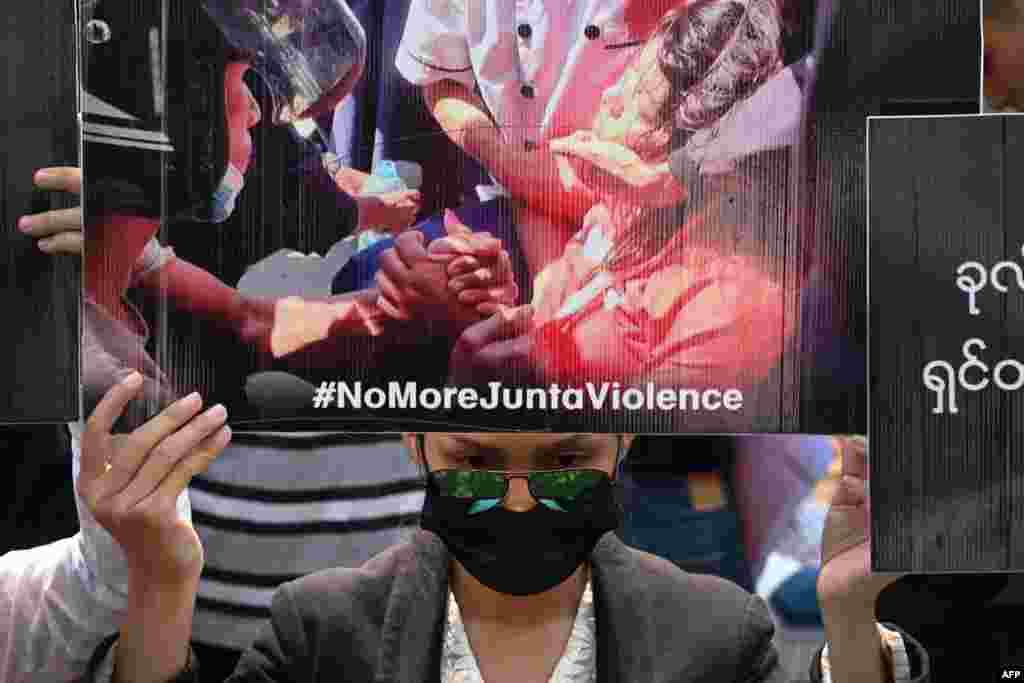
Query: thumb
453, 225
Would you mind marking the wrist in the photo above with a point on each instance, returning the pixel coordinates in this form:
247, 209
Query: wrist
848, 618
363, 218
174, 572
251, 320
163, 581
155, 634
483, 143
241, 311
856, 651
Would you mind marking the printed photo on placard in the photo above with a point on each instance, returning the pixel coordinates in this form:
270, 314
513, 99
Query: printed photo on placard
471, 213
946, 282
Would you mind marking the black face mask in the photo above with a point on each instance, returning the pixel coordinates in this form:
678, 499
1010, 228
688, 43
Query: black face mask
522, 553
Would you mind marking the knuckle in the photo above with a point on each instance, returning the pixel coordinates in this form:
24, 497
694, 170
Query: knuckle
389, 263
412, 294
471, 341
132, 443
195, 465
161, 451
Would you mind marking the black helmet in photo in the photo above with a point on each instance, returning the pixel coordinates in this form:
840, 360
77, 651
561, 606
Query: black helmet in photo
153, 112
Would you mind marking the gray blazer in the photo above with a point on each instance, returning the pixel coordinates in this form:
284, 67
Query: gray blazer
384, 623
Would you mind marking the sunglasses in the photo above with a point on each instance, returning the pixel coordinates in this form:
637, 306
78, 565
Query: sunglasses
560, 490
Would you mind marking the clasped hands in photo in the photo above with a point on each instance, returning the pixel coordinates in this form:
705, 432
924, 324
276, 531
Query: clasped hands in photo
462, 284
454, 282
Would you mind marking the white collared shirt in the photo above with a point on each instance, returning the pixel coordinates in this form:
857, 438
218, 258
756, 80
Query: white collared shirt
578, 663
540, 65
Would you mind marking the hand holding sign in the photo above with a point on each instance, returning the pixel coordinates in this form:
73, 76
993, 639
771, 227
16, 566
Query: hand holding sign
58, 230
131, 482
846, 581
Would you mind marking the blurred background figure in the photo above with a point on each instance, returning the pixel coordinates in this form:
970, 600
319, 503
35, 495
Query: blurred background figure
747, 508
1004, 56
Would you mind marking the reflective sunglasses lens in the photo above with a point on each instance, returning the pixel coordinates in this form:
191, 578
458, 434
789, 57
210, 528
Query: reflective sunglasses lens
469, 483
561, 490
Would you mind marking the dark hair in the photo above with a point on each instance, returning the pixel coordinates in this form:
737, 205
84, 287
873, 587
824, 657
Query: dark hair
421, 451
714, 54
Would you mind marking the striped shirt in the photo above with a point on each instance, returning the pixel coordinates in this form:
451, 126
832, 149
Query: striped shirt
275, 506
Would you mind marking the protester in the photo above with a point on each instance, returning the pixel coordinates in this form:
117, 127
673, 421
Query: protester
490, 505
59, 601
293, 525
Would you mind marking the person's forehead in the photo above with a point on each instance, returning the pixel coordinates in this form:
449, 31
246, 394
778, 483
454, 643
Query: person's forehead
524, 442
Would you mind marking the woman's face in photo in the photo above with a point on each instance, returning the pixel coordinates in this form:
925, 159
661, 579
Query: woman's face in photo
630, 110
243, 112
517, 453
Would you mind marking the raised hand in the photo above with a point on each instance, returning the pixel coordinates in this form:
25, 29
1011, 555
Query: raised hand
846, 578
389, 212
498, 347
847, 588
131, 482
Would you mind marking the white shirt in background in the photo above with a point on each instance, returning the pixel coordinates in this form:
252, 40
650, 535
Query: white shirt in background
540, 65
